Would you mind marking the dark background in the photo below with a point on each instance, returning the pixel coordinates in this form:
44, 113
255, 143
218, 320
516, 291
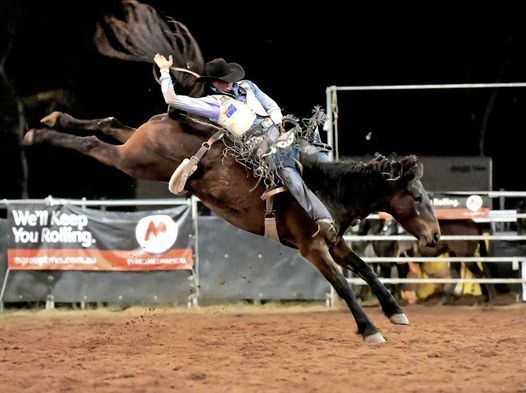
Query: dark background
293, 56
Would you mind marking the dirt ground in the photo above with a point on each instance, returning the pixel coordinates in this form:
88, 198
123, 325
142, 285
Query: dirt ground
262, 349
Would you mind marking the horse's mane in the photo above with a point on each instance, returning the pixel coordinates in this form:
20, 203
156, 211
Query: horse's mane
143, 33
350, 179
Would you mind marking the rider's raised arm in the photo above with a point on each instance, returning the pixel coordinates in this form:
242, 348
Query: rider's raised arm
268, 103
204, 106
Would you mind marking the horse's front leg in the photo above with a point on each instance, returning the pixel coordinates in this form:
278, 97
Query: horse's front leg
317, 252
346, 258
108, 126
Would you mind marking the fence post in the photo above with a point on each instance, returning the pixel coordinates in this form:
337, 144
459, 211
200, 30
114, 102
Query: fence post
193, 299
2, 292
50, 302
523, 276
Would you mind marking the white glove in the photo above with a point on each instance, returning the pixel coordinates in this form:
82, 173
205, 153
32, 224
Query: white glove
276, 116
162, 62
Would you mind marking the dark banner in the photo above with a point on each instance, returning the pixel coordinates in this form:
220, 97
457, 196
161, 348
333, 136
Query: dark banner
66, 237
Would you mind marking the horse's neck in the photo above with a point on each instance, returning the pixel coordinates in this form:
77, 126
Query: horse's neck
348, 196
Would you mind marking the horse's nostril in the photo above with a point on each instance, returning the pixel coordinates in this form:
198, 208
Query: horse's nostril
436, 237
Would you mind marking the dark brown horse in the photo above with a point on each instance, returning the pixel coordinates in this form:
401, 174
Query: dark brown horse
455, 248
463, 248
350, 190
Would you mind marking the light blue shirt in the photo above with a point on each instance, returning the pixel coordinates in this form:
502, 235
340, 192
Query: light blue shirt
208, 106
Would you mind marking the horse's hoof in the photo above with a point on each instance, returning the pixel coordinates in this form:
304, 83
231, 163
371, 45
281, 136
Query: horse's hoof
29, 138
399, 319
51, 119
376, 338
106, 122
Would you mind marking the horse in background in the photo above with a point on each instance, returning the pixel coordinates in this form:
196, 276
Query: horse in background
455, 248
382, 248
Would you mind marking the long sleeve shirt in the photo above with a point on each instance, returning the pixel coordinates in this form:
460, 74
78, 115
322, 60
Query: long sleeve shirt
208, 106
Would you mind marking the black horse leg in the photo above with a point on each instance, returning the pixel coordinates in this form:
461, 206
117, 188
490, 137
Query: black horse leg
319, 256
108, 126
346, 258
488, 290
477, 273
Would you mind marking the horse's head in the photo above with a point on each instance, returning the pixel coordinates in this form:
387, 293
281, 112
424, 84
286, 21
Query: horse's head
409, 203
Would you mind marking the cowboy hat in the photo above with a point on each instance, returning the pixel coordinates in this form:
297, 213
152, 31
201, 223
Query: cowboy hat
220, 69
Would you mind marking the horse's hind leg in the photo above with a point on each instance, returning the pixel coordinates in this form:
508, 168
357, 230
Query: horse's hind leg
403, 272
455, 269
346, 258
109, 125
488, 290
318, 254
89, 145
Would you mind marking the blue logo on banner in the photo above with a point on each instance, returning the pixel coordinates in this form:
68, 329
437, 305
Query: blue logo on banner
230, 110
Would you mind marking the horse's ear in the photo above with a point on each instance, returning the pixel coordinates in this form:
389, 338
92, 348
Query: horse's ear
411, 168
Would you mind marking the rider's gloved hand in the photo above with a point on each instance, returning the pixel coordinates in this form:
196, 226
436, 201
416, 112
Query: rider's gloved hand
162, 62
276, 116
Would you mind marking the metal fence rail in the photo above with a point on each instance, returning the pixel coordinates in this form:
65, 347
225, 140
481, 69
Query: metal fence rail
331, 94
444, 259
51, 201
359, 281
444, 237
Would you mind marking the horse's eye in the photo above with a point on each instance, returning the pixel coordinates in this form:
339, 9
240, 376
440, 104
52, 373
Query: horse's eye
418, 199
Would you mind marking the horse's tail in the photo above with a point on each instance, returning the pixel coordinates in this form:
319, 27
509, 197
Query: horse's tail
143, 33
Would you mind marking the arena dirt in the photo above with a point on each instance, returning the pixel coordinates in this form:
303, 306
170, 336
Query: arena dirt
262, 349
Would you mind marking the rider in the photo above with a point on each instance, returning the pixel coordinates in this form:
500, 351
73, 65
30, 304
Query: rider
239, 105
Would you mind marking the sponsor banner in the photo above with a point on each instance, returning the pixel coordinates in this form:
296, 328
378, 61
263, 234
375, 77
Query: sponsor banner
457, 207
72, 238
470, 202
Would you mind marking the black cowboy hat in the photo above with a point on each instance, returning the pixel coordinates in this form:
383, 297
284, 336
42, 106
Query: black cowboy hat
220, 69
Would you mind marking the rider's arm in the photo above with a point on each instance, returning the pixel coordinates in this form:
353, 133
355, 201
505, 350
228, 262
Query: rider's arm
204, 106
268, 103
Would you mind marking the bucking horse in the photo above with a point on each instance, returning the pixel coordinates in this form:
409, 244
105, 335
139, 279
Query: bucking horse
155, 149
